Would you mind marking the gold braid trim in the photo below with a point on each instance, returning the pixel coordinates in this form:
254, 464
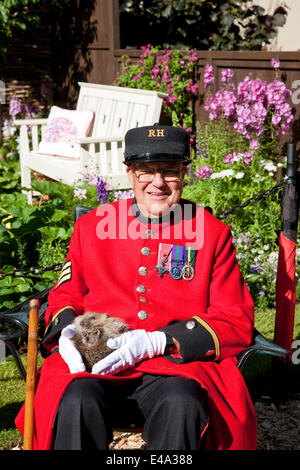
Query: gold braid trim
212, 333
56, 315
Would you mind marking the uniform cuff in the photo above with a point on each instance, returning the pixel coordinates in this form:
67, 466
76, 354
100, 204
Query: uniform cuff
60, 319
196, 339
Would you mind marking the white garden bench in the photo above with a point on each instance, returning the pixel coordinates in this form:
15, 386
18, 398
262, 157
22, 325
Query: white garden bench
117, 109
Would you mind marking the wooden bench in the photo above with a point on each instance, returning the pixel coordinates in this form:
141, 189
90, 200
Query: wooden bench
117, 109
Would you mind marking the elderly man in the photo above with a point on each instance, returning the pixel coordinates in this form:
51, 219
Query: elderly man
167, 267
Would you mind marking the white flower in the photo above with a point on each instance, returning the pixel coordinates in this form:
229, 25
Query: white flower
239, 175
268, 165
80, 193
222, 174
8, 129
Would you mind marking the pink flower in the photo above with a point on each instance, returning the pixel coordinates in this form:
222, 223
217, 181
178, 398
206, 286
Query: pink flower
192, 56
155, 71
172, 98
247, 158
254, 144
228, 158
204, 172
192, 87
138, 76
275, 62
208, 75
276, 118
146, 50
226, 75
15, 106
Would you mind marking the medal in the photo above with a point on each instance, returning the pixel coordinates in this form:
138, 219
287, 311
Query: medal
162, 269
188, 271
177, 262
163, 259
176, 273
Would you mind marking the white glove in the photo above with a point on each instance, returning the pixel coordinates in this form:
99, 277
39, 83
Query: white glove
131, 347
68, 350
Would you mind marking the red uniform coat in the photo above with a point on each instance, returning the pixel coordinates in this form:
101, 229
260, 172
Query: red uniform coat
210, 315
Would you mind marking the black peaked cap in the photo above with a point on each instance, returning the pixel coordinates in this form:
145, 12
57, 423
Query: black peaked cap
157, 143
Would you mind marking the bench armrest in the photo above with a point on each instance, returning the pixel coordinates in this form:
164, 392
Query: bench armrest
30, 122
98, 140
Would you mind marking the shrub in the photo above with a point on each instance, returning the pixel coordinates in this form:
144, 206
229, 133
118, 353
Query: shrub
237, 156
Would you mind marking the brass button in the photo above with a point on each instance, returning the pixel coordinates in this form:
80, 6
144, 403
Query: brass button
143, 270
141, 289
143, 300
190, 324
149, 233
145, 251
142, 314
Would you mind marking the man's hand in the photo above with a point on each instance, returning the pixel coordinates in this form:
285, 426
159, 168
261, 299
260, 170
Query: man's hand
131, 347
68, 351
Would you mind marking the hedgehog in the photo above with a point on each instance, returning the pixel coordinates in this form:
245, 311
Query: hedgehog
93, 329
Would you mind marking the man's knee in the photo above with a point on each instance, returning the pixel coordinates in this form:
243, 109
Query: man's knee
181, 394
84, 390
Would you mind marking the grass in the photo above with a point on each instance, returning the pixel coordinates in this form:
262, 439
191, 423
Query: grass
12, 393
12, 387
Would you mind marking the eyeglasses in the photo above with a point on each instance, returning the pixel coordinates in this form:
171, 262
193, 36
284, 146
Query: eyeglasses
169, 175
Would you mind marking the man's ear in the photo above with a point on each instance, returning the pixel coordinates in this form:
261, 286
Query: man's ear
185, 170
130, 174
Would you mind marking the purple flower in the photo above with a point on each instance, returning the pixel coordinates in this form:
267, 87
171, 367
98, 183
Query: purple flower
47, 92
15, 107
204, 172
102, 190
208, 75
123, 194
29, 109
275, 62
255, 268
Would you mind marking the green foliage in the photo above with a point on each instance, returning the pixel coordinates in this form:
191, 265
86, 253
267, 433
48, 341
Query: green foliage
23, 15
38, 234
208, 24
168, 71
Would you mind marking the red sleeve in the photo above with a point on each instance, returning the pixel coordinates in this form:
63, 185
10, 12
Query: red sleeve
65, 299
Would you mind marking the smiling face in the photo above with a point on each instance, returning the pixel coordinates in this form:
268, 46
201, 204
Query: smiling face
159, 196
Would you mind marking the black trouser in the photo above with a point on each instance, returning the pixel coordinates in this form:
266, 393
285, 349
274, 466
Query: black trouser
170, 408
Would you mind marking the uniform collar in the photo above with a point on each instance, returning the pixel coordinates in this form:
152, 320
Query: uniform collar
173, 217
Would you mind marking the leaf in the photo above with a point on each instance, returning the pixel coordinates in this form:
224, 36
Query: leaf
167, 11
59, 215
279, 19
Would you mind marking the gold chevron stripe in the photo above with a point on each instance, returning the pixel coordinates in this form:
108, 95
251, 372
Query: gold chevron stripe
212, 333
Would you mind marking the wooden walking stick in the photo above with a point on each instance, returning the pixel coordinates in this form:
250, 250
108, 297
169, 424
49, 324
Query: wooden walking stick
31, 373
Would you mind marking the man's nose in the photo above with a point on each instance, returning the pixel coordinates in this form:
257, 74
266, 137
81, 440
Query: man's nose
158, 179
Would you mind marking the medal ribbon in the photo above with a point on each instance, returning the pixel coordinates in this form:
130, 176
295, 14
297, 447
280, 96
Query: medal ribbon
189, 255
177, 256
